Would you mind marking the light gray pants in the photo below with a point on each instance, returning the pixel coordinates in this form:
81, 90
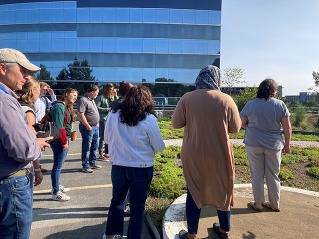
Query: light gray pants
265, 163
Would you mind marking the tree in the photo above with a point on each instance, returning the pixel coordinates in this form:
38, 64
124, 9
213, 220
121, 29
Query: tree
167, 88
62, 81
232, 76
315, 76
78, 75
44, 74
298, 114
245, 95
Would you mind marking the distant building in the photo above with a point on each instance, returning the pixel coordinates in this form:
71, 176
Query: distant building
303, 97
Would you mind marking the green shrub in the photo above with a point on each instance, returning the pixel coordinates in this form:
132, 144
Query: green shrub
311, 153
292, 158
314, 163
313, 171
245, 95
168, 180
298, 115
285, 174
167, 130
240, 135
156, 208
170, 152
240, 156
302, 137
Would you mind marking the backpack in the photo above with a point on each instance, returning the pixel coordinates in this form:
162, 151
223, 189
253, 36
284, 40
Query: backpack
47, 116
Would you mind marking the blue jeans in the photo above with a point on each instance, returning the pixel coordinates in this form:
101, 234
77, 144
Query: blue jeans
138, 181
15, 208
90, 143
193, 214
59, 156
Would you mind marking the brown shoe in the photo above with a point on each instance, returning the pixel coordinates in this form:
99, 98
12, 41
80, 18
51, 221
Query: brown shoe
103, 158
43, 170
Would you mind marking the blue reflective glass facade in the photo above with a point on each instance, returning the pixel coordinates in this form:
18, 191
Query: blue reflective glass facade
121, 39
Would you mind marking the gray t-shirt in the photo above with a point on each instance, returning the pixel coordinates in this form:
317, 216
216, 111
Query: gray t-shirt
264, 123
88, 107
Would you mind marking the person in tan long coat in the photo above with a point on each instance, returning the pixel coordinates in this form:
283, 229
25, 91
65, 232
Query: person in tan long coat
208, 116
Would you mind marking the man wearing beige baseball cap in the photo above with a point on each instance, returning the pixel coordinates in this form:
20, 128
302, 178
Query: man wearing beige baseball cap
18, 147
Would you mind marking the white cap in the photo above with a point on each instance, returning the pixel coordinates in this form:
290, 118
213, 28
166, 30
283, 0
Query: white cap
10, 55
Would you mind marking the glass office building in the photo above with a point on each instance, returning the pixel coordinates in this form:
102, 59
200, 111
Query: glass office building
126, 40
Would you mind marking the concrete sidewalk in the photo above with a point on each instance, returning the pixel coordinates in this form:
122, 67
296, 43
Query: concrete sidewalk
299, 217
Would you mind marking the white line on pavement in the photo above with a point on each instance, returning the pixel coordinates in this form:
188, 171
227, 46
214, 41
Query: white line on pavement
76, 188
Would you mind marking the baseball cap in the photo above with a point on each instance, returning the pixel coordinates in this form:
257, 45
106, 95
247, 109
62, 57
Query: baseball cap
10, 55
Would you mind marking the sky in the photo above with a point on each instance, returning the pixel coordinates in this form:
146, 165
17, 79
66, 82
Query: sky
273, 38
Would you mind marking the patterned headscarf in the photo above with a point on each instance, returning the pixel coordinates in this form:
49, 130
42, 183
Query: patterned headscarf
208, 78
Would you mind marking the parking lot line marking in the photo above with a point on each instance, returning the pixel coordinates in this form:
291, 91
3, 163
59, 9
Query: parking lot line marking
51, 155
76, 188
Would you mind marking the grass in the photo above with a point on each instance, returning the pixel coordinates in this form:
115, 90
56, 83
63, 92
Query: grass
169, 133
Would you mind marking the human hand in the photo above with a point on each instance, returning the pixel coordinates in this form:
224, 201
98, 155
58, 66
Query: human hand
65, 146
89, 128
38, 177
42, 142
50, 91
286, 149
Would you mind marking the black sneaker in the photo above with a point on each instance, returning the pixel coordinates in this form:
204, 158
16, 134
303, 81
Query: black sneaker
216, 228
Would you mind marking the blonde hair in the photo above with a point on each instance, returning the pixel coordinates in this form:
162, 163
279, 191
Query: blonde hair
43, 84
25, 94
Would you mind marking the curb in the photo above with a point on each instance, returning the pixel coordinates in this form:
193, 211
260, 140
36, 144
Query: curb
151, 227
175, 215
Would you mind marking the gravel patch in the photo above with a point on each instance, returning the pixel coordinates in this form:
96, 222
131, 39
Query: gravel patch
239, 142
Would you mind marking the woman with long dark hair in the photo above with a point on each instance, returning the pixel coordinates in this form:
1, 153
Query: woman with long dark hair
63, 115
133, 136
264, 119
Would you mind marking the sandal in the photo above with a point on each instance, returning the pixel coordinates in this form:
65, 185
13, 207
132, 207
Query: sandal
268, 205
182, 234
222, 235
253, 206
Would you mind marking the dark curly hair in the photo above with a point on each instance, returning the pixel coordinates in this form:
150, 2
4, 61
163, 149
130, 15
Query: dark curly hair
267, 89
138, 102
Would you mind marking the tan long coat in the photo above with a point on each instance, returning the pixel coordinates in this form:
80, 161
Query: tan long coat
207, 155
